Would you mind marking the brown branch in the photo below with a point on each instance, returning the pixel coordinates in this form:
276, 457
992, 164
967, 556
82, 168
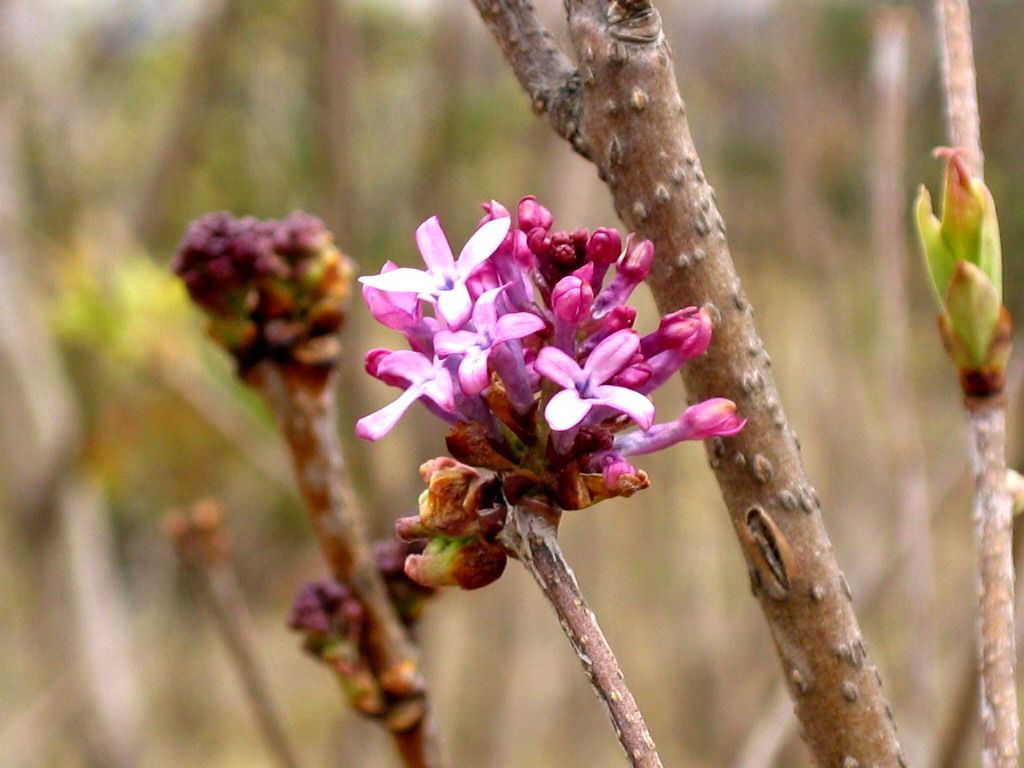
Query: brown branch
303, 401
200, 539
633, 125
530, 535
959, 81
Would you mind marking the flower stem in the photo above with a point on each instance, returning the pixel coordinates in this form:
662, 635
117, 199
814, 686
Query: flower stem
993, 520
531, 535
303, 401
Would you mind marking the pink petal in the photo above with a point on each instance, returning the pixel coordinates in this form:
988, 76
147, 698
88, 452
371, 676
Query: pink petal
379, 423
455, 306
566, 410
433, 245
638, 407
402, 280
482, 244
473, 376
612, 355
516, 326
406, 364
453, 342
485, 313
441, 389
559, 367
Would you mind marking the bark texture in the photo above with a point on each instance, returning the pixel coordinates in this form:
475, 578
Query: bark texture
622, 110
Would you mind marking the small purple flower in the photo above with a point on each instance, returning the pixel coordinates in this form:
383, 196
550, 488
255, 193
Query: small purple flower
476, 346
711, 418
585, 387
444, 279
525, 347
422, 378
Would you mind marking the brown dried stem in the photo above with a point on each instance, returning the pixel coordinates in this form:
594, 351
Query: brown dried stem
531, 536
303, 401
200, 539
628, 118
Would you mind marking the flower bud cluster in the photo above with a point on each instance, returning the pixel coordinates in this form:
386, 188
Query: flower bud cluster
524, 345
270, 288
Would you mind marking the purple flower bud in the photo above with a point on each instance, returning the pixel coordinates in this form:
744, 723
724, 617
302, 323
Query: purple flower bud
322, 609
532, 215
299, 236
686, 331
572, 298
539, 241
633, 377
712, 418
615, 467
495, 210
604, 246
636, 263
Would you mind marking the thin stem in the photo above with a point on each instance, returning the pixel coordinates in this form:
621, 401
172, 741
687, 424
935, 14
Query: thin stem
959, 724
303, 401
993, 515
993, 520
201, 541
531, 535
959, 80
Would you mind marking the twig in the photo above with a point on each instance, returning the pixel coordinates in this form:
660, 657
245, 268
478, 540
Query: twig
992, 505
303, 401
958, 726
200, 539
628, 117
959, 81
531, 535
994, 533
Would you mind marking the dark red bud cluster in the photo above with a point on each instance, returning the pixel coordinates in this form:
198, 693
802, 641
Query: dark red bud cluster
324, 610
271, 288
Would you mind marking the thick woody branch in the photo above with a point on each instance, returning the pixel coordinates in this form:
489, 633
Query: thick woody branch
531, 536
302, 399
633, 125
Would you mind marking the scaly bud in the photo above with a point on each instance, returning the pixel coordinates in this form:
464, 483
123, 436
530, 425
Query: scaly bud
963, 255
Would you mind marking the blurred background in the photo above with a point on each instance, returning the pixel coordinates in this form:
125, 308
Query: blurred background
122, 120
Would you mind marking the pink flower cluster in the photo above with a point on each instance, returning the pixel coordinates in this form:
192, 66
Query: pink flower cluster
525, 345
